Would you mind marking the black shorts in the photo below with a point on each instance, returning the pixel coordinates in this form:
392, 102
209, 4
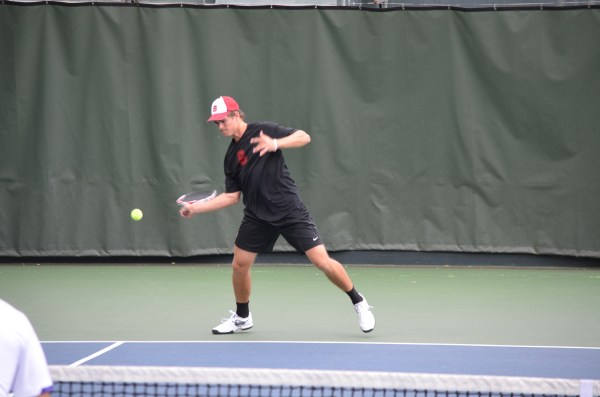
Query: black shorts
298, 228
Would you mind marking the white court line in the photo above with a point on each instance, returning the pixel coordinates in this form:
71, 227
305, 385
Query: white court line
373, 343
97, 354
334, 343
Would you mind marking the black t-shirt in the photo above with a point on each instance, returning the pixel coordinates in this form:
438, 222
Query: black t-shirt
269, 192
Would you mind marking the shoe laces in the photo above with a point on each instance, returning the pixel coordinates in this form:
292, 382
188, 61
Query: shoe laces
230, 318
363, 305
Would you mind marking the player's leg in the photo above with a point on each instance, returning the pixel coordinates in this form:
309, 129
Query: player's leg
334, 270
253, 237
337, 274
241, 319
240, 277
300, 230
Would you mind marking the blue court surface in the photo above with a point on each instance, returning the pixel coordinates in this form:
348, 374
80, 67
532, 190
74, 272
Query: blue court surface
546, 362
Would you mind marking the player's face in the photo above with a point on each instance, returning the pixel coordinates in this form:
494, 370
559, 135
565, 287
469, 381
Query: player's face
224, 125
228, 126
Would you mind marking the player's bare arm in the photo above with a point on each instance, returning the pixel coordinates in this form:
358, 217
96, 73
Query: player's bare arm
223, 200
264, 143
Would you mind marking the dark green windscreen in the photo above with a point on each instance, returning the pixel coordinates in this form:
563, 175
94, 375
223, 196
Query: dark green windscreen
431, 129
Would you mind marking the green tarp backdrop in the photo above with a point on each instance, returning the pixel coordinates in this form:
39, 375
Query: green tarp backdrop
431, 129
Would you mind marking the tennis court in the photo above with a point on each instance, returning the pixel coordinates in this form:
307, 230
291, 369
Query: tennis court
446, 128
443, 320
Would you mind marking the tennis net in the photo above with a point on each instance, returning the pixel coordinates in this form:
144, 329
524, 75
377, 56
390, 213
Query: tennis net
120, 381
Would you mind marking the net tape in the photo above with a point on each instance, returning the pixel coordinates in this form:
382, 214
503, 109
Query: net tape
184, 381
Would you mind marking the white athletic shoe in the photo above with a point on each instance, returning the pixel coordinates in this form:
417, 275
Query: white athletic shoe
233, 324
366, 320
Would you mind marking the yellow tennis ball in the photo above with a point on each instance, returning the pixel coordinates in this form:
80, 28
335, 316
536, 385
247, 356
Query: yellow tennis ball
137, 214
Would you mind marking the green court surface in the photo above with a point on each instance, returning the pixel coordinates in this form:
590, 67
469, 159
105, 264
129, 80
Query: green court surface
447, 305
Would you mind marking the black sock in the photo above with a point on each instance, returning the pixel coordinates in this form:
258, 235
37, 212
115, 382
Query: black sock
354, 296
243, 309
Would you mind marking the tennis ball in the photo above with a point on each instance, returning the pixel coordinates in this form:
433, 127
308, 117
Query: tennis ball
137, 214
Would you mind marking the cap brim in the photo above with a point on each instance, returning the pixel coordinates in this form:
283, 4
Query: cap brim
217, 117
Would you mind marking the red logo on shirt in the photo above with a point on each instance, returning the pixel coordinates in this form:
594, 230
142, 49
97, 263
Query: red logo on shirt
242, 158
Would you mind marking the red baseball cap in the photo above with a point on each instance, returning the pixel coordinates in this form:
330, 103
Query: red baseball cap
221, 106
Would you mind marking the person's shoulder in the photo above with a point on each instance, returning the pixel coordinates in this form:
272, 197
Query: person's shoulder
12, 316
6, 309
261, 125
274, 129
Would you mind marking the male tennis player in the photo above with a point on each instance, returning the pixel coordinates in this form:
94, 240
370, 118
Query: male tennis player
23, 367
255, 169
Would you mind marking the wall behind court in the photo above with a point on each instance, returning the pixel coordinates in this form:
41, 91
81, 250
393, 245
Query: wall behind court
431, 129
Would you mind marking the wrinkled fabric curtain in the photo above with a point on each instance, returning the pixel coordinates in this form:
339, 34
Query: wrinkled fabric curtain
433, 130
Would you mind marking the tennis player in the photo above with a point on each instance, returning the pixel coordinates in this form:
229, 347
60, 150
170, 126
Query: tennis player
255, 170
23, 367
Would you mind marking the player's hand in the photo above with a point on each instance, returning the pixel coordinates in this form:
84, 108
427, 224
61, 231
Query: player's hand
186, 211
263, 144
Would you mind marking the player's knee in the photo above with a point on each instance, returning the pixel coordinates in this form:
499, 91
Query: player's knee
241, 267
320, 265
325, 264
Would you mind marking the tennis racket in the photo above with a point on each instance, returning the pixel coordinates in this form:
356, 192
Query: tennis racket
196, 197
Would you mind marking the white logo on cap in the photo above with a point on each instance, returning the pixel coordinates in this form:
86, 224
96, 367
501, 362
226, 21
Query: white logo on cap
219, 106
